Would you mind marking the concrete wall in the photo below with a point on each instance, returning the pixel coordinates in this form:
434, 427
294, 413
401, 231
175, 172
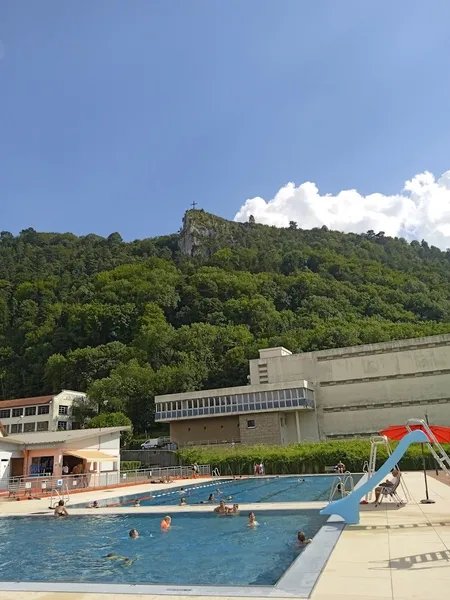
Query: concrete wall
210, 428
159, 458
6, 454
267, 428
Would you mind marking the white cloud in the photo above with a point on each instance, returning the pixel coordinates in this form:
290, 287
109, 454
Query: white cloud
420, 211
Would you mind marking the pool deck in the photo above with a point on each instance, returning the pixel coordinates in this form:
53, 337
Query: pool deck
393, 554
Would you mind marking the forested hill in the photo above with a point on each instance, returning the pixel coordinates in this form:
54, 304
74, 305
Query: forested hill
125, 321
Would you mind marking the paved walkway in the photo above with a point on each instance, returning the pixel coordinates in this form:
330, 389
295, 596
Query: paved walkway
394, 554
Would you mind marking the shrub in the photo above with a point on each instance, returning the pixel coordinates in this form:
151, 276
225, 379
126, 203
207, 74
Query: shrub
130, 465
311, 457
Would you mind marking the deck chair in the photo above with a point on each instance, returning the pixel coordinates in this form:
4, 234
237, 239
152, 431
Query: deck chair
391, 494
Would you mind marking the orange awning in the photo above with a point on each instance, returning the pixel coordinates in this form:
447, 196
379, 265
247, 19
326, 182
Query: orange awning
91, 455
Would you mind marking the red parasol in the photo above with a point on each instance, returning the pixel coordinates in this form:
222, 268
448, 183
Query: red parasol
441, 435
397, 432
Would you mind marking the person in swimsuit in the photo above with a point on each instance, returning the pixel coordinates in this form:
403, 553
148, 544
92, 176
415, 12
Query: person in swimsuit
252, 522
133, 534
221, 509
183, 502
166, 523
302, 540
126, 561
136, 502
234, 510
60, 510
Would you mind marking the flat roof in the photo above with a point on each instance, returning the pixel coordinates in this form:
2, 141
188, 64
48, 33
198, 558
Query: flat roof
55, 437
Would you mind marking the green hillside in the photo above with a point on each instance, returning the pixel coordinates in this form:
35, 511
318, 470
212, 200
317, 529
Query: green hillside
126, 321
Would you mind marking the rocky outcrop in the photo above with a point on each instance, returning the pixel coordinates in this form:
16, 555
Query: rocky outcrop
195, 233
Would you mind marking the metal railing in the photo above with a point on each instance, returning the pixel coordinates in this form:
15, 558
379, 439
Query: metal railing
42, 485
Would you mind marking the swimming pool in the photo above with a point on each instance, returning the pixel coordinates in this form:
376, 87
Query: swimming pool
199, 549
254, 490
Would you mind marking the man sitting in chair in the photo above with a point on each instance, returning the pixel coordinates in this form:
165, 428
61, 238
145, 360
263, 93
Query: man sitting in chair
388, 485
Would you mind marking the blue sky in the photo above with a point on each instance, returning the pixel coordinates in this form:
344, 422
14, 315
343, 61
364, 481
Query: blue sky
116, 115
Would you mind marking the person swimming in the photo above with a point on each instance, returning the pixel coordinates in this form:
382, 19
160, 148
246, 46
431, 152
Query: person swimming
183, 502
60, 510
181, 491
137, 502
234, 510
252, 522
133, 533
166, 523
302, 540
124, 559
221, 509
93, 504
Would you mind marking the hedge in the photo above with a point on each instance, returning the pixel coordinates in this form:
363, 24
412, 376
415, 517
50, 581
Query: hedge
310, 457
130, 465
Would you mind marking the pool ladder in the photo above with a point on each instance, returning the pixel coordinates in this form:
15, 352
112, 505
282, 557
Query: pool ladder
216, 473
342, 486
59, 494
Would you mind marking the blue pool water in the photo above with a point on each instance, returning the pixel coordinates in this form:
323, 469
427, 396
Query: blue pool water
198, 549
255, 490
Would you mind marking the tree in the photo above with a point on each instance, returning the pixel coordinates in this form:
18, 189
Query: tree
116, 419
293, 225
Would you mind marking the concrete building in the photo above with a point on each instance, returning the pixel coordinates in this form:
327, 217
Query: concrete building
43, 413
338, 393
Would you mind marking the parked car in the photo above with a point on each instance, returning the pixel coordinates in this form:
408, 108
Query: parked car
151, 444
158, 444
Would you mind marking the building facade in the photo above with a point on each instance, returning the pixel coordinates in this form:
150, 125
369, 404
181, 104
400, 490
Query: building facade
43, 413
328, 394
53, 455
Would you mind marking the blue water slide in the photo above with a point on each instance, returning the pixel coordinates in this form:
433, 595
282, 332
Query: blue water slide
348, 507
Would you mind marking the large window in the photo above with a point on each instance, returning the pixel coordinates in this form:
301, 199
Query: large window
29, 427
17, 412
238, 403
44, 410
63, 410
62, 425
5, 413
16, 428
30, 411
42, 426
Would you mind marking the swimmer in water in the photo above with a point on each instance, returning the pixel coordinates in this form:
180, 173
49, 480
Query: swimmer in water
93, 504
136, 502
229, 498
210, 499
181, 491
302, 540
234, 510
221, 509
126, 561
252, 522
219, 491
133, 533
166, 522
60, 510
183, 502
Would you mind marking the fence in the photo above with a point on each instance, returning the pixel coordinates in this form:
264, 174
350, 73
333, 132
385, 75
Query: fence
39, 486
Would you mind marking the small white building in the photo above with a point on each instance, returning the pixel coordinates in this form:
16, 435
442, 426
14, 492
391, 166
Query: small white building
42, 413
85, 456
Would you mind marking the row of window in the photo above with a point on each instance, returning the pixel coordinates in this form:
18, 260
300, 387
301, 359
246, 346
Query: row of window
220, 410
27, 427
31, 411
236, 400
